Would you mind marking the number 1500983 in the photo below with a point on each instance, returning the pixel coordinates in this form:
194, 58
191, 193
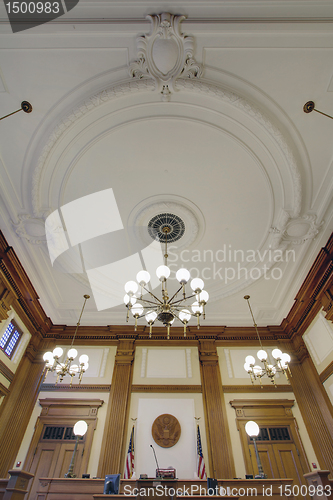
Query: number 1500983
33, 7
294, 490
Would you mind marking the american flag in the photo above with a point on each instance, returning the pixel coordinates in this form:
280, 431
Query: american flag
200, 459
129, 467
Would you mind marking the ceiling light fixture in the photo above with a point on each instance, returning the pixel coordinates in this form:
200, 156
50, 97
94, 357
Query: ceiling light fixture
62, 369
310, 106
166, 309
256, 371
25, 106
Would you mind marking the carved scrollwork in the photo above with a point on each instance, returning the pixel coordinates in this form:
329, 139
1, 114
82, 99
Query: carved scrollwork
165, 54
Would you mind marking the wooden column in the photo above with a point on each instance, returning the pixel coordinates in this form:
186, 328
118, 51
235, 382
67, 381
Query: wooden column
112, 453
221, 462
17, 407
315, 407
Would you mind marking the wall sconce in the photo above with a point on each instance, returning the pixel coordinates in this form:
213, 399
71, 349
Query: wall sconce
80, 428
252, 430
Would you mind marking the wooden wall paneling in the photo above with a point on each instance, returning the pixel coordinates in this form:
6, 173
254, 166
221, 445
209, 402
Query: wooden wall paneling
4, 391
316, 409
221, 459
113, 448
16, 410
6, 372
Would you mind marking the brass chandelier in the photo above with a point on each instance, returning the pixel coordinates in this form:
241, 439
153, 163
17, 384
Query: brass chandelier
67, 368
256, 371
165, 309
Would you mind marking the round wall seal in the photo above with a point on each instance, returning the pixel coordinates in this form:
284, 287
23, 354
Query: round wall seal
166, 430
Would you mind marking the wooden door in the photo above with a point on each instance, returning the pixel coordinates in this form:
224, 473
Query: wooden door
43, 465
53, 442
267, 459
279, 445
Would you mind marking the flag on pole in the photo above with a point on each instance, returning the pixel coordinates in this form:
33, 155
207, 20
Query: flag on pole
200, 459
129, 467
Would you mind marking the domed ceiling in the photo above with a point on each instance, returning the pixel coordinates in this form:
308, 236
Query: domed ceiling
189, 116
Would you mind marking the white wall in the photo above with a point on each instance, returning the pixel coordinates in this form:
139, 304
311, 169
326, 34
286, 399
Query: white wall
319, 341
146, 408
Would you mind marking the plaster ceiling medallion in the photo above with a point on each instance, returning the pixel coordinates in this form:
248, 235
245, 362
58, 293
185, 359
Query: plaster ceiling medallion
30, 228
166, 430
151, 214
295, 231
165, 54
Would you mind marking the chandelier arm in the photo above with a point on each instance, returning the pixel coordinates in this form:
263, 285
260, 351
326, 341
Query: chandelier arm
150, 293
182, 300
174, 295
149, 307
149, 302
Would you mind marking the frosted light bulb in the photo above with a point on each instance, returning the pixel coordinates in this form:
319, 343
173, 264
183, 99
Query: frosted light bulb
247, 367
80, 428
74, 369
163, 272
257, 370
183, 275
137, 310
203, 297
276, 353
151, 316
48, 356
251, 428
72, 353
131, 287
197, 285
57, 352
185, 315
129, 300
197, 308
285, 358
250, 360
262, 355
83, 358
143, 277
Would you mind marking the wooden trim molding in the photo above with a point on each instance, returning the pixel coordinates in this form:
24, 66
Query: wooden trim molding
167, 388
325, 374
6, 372
312, 295
4, 391
76, 388
256, 388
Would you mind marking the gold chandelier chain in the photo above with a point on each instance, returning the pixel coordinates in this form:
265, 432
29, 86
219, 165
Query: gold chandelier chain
247, 297
86, 297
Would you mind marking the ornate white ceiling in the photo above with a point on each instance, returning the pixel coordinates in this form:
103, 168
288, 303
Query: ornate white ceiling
201, 118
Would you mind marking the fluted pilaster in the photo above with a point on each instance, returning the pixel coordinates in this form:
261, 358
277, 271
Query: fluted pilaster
221, 459
112, 452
